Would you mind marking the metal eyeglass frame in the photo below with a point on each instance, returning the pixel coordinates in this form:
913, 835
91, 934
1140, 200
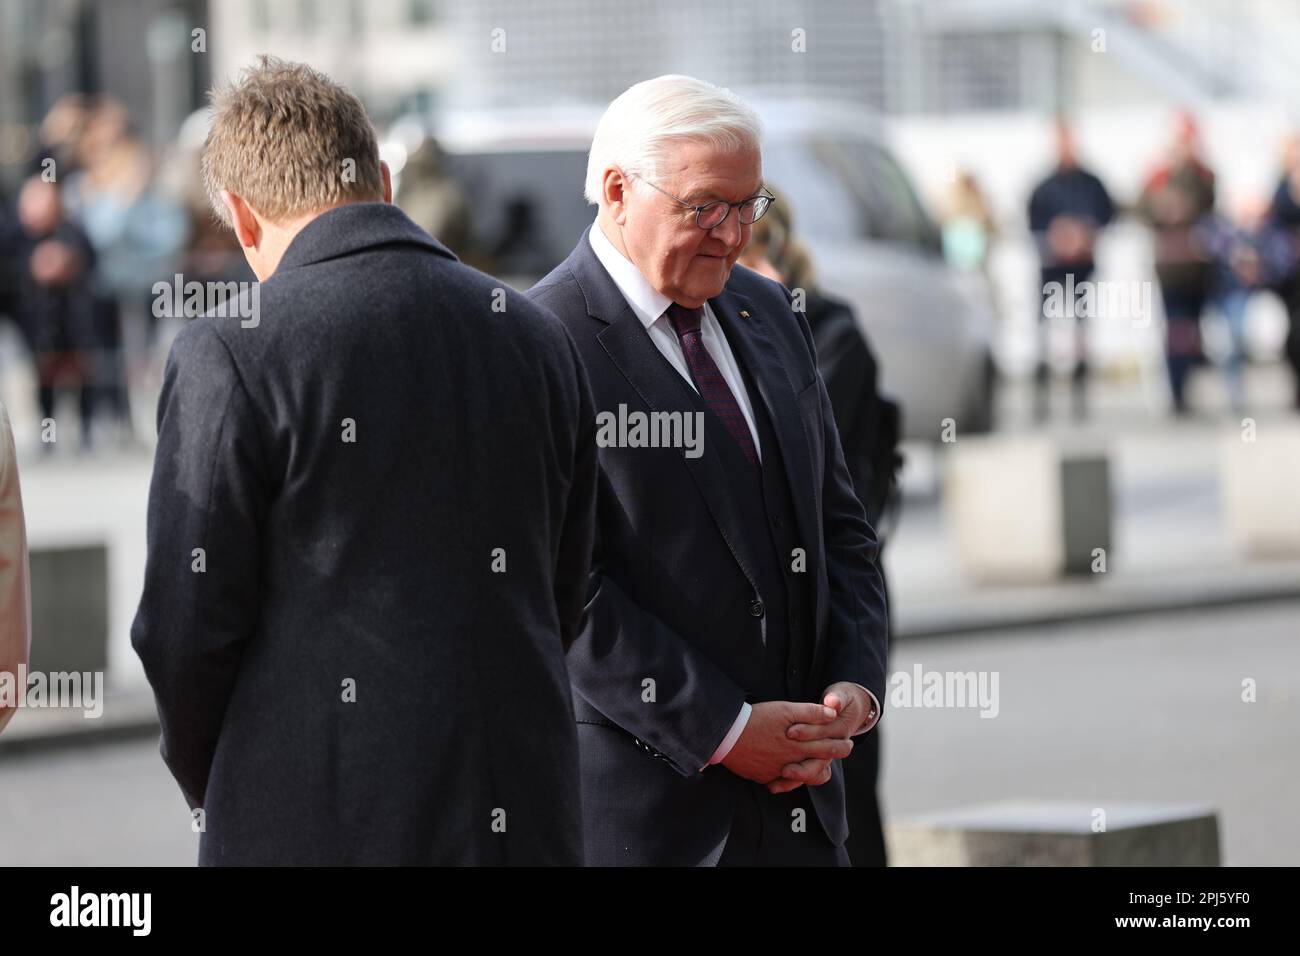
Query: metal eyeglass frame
717, 202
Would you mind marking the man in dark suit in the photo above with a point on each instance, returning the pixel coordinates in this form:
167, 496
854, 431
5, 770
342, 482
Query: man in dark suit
1067, 212
734, 637
370, 524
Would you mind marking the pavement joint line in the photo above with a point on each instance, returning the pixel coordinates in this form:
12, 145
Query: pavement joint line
930, 625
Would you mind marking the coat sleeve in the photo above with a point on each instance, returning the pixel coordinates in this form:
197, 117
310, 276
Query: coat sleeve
207, 505
620, 645
579, 526
15, 594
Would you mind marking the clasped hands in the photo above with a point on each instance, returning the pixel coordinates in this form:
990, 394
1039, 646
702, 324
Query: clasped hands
786, 744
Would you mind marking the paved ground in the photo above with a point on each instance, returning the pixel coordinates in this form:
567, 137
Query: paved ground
1143, 709
107, 805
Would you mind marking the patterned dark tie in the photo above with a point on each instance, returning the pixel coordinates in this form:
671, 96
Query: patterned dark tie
708, 379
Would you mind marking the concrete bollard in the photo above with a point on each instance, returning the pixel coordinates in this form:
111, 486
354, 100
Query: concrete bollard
1026, 510
1059, 834
69, 608
1260, 470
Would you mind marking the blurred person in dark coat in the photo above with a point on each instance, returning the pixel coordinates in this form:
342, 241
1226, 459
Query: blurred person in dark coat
1284, 213
869, 427
1067, 212
433, 199
370, 523
138, 233
733, 648
55, 301
1176, 199
9, 268
1250, 253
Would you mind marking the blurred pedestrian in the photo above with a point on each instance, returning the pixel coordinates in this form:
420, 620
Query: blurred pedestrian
1067, 212
1177, 197
1249, 253
15, 593
869, 426
56, 300
138, 234
1285, 215
60, 136
210, 255
968, 225
433, 199
10, 270
869, 422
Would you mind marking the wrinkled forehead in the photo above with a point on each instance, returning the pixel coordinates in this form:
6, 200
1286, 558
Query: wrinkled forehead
700, 172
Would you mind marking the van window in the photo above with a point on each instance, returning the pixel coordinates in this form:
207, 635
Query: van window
822, 206
527, 208
878, 183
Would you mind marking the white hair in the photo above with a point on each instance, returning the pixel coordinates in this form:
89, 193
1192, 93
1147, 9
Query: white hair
644, 122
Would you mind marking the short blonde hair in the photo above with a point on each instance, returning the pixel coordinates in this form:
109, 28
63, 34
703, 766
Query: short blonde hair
281, 138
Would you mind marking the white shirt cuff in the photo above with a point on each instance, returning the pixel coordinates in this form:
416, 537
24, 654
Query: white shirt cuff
738, 727
873, 718
733, 735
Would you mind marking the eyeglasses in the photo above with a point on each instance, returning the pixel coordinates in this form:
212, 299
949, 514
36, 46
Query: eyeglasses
713, 214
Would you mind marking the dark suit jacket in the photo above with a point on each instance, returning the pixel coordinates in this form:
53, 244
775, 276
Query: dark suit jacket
670, 591
337, 570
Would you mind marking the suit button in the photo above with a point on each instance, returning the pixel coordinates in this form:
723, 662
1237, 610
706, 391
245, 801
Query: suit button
776, 521
755, 608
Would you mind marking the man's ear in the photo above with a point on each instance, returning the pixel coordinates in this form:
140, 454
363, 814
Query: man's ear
247, 229
614, 186
388, 181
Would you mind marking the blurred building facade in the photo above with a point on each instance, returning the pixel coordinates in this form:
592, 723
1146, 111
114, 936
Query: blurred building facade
397, 55
419, 56
898, 56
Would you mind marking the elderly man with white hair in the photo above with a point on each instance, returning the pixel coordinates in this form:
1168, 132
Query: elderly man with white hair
733, 644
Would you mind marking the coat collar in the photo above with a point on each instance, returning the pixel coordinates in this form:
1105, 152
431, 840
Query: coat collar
647, 302
349, 228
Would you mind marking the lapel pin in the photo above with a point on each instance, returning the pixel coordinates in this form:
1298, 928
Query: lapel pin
744, 314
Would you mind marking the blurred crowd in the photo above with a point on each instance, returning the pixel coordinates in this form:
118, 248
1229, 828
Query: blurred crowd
100, 216
1209, 262
96, 220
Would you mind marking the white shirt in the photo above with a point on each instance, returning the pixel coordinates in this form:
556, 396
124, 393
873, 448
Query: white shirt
649, 304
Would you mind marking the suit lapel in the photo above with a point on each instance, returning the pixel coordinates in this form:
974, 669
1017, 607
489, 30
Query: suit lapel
628, 345
750, 341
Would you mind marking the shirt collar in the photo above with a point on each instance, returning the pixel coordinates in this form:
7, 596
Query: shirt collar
646, 302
